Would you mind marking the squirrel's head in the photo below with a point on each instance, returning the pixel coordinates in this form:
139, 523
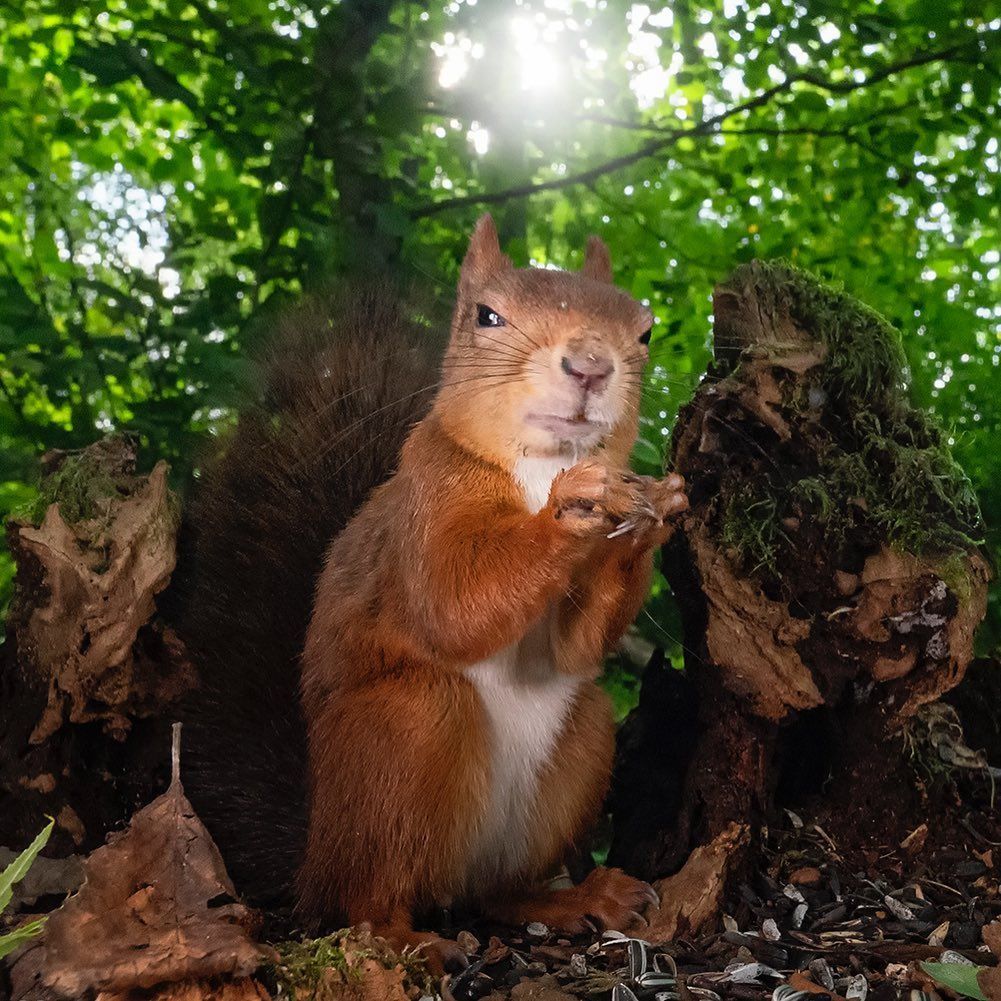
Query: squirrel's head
542, 362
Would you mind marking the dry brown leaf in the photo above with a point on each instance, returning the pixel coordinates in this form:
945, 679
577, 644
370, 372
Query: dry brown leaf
807, 876
914, 843
378, 983
244, 989
544, 988
691, 897
990, 983
495, 951
157, 907
990, 979
801, 982
992, 937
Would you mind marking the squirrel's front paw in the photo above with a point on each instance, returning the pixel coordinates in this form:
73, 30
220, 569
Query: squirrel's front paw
658, 502
592, 499
588, 499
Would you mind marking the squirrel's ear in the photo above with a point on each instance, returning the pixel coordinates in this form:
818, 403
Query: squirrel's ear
484, 257
597, 261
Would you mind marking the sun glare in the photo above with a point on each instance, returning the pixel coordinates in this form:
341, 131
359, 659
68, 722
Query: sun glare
535, 42
556, 49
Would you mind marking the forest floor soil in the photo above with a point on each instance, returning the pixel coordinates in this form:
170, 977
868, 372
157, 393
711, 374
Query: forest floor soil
813, 917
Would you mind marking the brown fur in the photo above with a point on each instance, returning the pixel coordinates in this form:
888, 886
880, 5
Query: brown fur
344, 379
444, 566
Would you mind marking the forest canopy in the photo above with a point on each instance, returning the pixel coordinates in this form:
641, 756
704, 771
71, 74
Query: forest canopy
172, 172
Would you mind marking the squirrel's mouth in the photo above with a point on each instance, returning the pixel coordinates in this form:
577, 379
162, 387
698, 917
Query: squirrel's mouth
564, 426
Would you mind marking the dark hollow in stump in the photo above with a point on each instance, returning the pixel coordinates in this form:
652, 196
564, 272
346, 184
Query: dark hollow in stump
829, 577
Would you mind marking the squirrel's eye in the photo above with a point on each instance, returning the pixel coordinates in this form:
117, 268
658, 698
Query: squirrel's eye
487, 317
645, 336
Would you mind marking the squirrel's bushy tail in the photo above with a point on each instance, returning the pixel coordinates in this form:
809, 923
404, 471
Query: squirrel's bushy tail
343, 381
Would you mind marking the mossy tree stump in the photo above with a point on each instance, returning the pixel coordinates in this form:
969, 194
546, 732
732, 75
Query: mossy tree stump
88, 673
829, 577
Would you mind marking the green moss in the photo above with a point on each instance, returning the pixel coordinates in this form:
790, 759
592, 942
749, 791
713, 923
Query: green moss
814, 492
83, 482
954, 573
751, 528
864, 354
302, 964
875, 468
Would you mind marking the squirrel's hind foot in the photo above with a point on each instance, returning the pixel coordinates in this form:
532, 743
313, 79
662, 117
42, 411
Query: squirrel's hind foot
441, 955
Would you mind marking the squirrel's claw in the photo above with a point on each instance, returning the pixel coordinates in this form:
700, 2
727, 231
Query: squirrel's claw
622, 529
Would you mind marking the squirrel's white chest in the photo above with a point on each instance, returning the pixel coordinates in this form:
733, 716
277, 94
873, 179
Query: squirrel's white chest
535, 475
526, 704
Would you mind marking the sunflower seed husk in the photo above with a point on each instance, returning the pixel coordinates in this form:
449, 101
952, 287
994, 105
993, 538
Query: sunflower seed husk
822, 973
620, 992
857, 989
636, 951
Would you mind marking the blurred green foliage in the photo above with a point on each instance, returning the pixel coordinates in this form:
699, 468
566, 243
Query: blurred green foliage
171, 171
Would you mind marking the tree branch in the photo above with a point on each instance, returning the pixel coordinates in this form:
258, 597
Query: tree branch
651, 128
709, 126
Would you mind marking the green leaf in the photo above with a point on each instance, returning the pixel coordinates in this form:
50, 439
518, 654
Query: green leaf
18, 869
105, 62
647, 453
12, 940
904, 141
811, 100
958, 977
984, 88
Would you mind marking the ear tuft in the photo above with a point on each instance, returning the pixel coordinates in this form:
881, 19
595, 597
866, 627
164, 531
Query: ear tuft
597, 261
483, 258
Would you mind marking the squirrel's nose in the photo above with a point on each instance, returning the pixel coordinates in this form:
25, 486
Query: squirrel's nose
590, 369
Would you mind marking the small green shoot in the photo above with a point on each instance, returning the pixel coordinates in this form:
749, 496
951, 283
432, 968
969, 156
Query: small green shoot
14, 873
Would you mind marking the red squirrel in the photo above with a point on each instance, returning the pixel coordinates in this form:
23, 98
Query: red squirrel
458, 744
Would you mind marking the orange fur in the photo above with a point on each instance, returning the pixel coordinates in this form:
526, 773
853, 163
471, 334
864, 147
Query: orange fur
446, 566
